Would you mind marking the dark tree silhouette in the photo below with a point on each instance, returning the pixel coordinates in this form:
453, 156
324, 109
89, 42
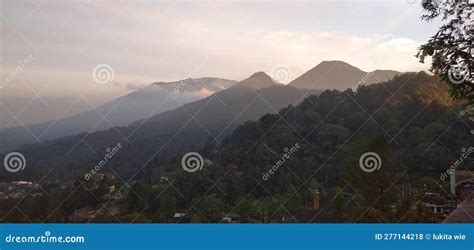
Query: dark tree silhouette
451, 48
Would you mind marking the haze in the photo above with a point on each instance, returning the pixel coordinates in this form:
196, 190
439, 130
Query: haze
147, 42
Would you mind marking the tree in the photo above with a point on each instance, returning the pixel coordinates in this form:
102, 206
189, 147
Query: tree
167, 207
368, 169
338, 205
211, 207
315, 185
294, 198
451, 48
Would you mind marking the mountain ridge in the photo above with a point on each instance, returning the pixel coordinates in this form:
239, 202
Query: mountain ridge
186, 128
339, 75
121, 111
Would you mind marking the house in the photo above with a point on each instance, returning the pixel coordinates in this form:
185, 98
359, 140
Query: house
83, 215
230, 218
178, 215
24, 184
118, 195
436, 203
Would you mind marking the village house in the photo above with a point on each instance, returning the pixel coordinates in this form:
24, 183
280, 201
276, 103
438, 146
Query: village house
230, 218
84, 214
436, 203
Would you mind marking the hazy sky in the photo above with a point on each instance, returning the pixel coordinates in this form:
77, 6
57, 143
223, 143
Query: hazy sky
52, 47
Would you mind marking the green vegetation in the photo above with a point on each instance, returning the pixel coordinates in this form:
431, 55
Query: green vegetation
397, 119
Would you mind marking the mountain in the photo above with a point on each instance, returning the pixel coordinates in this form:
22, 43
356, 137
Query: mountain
339, 75
157, 140
326, 143
276, 162
258, 80
247, 100
152, 100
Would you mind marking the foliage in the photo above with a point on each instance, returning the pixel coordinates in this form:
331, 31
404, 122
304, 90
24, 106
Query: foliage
452, 45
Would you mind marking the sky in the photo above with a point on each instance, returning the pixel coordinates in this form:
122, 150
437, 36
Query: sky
52, 52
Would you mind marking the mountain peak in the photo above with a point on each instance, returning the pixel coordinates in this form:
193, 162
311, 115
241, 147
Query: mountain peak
338, 75
258, 80
260, 76
334, 62
337, 65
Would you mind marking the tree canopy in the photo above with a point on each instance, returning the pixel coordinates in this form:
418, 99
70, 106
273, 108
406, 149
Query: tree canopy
451, 48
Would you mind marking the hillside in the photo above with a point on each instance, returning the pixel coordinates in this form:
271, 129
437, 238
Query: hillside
158, 139
269, 169
150, 101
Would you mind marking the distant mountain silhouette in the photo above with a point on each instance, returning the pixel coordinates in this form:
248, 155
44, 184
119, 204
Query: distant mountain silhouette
152, 100
258, 80
170, 133
244, 101
339, 75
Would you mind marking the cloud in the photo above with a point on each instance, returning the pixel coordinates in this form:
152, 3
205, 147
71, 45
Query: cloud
131, 86
147, 43
303, 50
